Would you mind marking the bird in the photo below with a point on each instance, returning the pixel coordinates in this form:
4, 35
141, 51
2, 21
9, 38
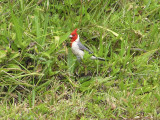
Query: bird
78, 48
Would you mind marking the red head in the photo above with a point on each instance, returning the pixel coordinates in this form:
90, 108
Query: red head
73, 36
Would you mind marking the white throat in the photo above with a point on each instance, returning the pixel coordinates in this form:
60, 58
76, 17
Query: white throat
77, 39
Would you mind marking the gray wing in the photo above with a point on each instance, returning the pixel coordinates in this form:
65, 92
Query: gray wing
82, 47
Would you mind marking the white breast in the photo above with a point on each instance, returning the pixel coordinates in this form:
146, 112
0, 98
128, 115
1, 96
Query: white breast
76, 50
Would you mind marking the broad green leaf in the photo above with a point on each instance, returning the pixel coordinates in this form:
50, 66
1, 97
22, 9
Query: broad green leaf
14, 55
2, 54
142, 59
17, 21
13, 66
59, 40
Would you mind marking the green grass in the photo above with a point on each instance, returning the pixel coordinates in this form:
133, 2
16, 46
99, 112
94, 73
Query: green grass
41, 79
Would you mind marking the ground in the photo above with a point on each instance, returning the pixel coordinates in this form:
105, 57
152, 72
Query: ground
40, 77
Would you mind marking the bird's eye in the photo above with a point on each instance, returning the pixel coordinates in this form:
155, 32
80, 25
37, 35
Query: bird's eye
73, 35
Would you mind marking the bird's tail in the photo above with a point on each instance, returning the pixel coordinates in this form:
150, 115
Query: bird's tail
102, 59
97, 58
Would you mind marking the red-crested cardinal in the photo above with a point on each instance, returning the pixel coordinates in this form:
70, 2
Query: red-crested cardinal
78, 48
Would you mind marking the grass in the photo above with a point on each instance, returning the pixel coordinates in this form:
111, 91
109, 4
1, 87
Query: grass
41, 79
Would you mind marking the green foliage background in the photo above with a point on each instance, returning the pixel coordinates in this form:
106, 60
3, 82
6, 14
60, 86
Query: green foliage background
41, 79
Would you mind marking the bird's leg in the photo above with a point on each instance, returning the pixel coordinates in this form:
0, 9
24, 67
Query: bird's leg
77, 68
80, 64
85, 68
